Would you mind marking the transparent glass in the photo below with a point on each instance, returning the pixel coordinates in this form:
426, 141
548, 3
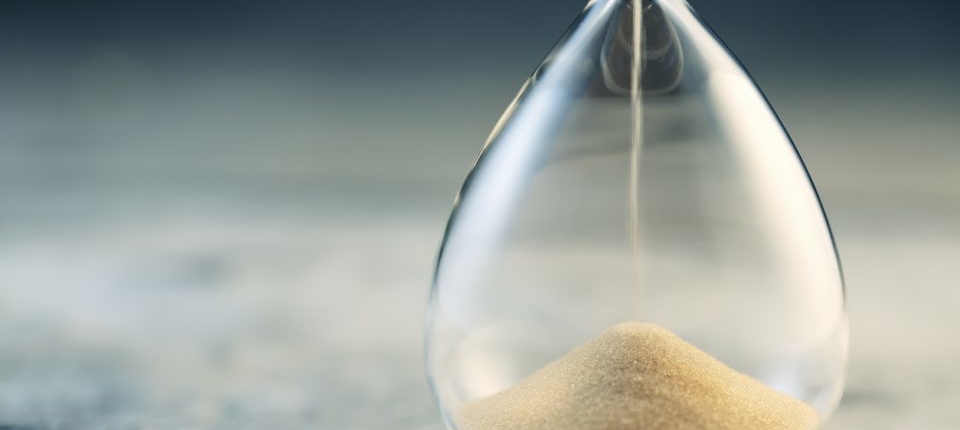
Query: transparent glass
639, 175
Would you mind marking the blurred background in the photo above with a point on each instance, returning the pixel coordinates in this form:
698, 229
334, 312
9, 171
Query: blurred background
224, 215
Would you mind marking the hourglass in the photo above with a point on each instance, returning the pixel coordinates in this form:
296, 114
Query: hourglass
638, 246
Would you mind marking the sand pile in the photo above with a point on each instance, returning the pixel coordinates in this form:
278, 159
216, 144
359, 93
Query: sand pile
637, 377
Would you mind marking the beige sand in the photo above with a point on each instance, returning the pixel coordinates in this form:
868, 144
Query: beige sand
638, 377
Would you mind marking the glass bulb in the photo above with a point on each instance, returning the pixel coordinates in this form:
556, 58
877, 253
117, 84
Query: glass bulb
639, 175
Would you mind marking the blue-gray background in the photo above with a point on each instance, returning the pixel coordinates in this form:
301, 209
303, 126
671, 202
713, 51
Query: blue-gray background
224, 215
